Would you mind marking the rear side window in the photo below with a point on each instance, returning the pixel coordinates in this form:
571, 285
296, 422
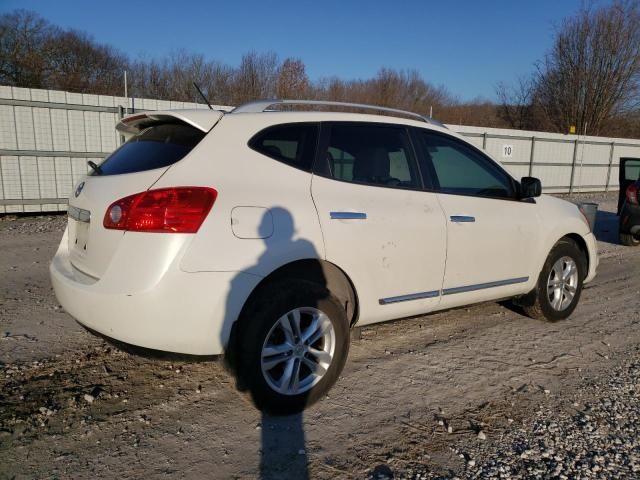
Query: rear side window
154, 147
371, 154
293, 144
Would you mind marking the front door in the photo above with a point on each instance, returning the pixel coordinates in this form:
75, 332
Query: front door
490, 234
387, 234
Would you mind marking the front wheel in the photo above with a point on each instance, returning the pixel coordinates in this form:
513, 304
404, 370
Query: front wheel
294, 342
559, 286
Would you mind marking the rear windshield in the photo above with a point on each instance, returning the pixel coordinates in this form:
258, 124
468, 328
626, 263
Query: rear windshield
154, 147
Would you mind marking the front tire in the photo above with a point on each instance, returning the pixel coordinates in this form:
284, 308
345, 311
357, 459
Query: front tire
294, 342
559, 286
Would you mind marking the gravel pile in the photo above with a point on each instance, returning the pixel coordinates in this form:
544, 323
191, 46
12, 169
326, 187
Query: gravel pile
21, 225
600, 439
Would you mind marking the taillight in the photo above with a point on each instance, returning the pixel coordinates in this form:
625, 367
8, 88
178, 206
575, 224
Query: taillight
632, 194
172, 210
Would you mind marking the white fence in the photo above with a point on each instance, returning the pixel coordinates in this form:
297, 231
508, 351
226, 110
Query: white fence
47, 137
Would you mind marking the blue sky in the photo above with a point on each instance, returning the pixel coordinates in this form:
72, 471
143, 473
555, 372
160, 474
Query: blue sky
467, 46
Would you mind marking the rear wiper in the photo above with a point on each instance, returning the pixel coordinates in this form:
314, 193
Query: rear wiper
94, 167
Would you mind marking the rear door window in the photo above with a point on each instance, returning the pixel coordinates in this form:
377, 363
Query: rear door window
371, 154
292, 143
154, 147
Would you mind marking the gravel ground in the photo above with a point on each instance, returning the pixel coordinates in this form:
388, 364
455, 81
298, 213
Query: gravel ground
478, 392
594, 432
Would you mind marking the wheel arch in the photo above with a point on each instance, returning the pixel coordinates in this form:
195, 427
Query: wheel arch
582, 245
317, 271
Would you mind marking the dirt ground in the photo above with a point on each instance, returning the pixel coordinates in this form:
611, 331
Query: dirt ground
416, 395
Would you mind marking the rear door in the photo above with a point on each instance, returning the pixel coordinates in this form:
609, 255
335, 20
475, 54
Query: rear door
387, 234
132, 168
629, 173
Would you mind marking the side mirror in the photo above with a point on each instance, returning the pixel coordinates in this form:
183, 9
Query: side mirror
530, 187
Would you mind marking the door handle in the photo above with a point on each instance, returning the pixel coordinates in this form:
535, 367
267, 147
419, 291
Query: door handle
347, 216
462, 219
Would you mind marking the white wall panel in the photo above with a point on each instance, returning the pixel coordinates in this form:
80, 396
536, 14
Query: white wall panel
107, 131
60, 130
520, 149
11, 177
64, 177
21, 93
42, 126
77, 140
29, 177
553, 152
92, 131
47, 177
74, 98
8, 136
590, 153
24, 128
39, 95
57, 96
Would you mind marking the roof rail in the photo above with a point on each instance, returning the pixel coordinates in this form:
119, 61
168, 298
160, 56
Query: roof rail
260, 106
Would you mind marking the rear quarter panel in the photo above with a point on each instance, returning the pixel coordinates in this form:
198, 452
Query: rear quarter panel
273, 197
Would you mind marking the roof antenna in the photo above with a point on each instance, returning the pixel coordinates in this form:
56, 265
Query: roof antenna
202, 95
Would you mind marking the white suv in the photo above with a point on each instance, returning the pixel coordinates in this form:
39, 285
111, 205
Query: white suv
266, 235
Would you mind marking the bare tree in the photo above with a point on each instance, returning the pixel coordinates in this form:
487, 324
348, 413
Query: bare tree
76, 63
293, 81
23, 57
515, 105
255, 77
593, 70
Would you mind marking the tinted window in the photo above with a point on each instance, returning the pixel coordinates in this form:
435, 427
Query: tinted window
462, 170
371, 154
154, 147
632, 170
293, 144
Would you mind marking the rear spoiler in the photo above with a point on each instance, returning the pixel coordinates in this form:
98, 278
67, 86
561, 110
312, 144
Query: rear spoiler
203, 120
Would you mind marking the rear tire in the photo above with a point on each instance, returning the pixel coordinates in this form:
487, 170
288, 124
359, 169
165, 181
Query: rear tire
629, 240
292, 346
559, 286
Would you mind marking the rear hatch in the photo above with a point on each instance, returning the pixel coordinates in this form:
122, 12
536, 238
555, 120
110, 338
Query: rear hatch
156, 140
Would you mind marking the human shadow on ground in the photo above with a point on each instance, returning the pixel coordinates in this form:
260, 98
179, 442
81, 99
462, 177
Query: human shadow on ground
283, 452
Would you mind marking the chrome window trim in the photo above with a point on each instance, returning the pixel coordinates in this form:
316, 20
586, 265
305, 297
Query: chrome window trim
411, 296
79, 214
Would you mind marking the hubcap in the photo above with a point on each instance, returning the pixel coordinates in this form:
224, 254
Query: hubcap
563, 283
298, 351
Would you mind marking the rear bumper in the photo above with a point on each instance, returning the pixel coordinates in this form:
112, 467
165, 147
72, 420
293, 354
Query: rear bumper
594, 260
179, 312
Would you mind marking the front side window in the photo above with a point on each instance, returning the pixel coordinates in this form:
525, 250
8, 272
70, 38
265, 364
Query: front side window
459, 169
293, 144
371, 154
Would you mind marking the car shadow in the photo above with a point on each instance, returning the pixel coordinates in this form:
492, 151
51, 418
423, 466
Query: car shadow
606, 228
